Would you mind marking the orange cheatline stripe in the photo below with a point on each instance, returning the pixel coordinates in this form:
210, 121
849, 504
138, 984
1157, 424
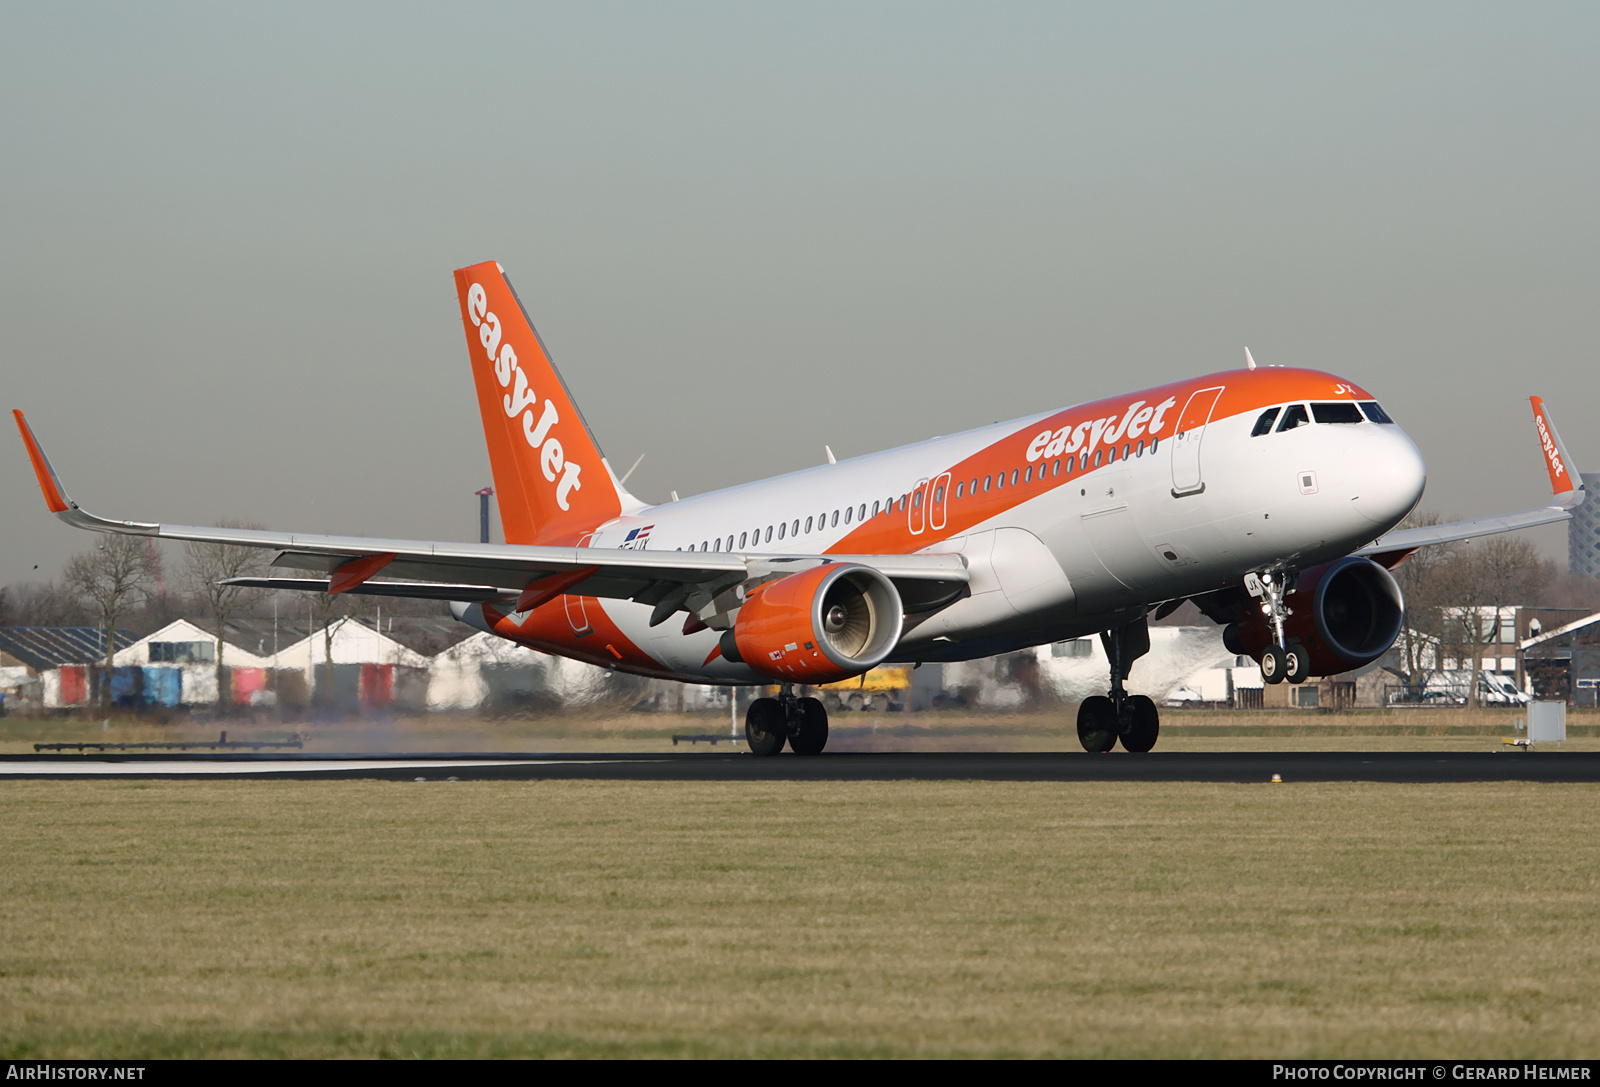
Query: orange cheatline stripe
357, 571
41, 467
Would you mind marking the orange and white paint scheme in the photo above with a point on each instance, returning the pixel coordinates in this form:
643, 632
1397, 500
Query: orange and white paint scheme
1267, 496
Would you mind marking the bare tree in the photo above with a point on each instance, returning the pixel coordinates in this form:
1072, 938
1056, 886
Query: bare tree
208, 566
111, 579
1423, 581
1485, 581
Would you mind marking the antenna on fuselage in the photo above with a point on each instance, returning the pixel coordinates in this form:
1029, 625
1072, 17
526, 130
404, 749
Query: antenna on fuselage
828, 451
1249, 362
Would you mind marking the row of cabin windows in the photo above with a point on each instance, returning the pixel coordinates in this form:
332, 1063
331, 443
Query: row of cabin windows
1017, 476
1339, 411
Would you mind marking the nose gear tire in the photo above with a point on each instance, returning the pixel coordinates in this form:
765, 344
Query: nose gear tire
1273, 664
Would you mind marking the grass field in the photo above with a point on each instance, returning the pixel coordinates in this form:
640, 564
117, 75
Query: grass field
289, 918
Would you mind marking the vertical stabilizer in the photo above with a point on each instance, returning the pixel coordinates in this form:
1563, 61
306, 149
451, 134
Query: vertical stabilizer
551, 481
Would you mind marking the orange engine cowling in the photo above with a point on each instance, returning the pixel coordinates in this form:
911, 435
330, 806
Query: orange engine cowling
826, 624
1347, 613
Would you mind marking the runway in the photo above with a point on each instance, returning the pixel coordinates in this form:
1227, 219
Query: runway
1064, 767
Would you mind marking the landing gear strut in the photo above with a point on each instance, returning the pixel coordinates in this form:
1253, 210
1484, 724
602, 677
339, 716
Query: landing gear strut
1131, 718
801, 722
1281, 661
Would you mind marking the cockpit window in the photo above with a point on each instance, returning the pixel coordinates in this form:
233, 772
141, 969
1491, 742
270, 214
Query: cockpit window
1294, 415
1342, 411
1375, 413
1264, 424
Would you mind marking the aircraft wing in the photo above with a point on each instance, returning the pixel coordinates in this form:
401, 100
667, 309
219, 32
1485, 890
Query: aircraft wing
1566, 486
475, 572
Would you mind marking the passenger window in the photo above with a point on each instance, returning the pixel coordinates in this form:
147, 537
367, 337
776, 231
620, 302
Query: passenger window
808, 525
874, 510
795, 531
960, 487
717, 546
730, 541
1070, 462
781, 527
769, 534
1056, 471
902, 503
986, 481
916, 499
848, 510
1294, 416
938, 493
691, 547
1264, 424
972, 488
1002, 478
1124, 450
836, 518
1340, 411
744, 538
1112, 455
1153, 443
1375, 413
1139, 452
1028, 477
1097, 454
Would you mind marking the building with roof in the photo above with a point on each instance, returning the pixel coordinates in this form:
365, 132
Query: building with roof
52, 667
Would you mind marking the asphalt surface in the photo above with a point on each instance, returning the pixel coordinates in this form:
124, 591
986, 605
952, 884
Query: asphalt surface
1551, 766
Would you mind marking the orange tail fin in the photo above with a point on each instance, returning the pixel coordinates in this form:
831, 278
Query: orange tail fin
550, 478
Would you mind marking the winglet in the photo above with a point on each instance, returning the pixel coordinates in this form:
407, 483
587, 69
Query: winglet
55, 495
1566, 483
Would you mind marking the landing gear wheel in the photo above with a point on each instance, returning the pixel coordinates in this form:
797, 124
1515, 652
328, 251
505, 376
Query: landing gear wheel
1296, 665
1273, 664
763, 726
1097, 723
812, 735
1139, 723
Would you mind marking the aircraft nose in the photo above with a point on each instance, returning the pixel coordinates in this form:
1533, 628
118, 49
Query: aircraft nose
1390, 478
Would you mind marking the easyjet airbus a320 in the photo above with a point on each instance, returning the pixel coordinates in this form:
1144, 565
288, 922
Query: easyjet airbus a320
1269, 497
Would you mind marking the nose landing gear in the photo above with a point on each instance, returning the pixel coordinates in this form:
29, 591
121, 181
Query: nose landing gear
801, 722
1281, 661
1131, 718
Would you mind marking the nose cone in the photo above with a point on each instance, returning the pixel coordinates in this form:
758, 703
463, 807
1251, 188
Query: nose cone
1389, 477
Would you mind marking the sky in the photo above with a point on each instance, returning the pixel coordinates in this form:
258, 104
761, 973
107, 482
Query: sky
749, 230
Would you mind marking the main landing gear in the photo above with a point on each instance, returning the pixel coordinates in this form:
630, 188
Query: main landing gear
1131, 718
801, 722
1281, 661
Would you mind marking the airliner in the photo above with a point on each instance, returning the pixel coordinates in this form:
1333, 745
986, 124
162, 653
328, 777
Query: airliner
1268, 496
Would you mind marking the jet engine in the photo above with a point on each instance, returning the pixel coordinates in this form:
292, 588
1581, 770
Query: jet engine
826, 624
1346, 613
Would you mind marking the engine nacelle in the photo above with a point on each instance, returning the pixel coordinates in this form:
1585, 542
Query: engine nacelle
819, 626
1346, 613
